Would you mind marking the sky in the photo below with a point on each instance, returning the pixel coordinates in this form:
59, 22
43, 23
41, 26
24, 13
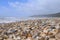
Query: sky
25, 8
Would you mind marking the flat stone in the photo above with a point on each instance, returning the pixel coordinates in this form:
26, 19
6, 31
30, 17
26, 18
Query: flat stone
57, 36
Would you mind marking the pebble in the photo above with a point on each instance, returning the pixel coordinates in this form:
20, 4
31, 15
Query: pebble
57, 36
52, 39
37, 29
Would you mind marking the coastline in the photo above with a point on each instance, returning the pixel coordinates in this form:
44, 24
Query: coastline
8, 20
31, 29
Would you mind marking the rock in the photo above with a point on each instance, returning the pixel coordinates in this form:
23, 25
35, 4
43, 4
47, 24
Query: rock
42, 38
54, 31
43, 34
29, 38
52, 39
10, 31
18, 38
37, 29
57, 36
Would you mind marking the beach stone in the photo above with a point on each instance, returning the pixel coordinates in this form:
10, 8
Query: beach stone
29, 38
37, 29
42, 38
43, 34
52, 39
57, 36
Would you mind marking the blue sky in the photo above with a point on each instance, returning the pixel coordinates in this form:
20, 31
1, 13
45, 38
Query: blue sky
24, 8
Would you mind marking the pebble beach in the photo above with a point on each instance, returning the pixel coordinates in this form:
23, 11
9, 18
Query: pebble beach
37, 29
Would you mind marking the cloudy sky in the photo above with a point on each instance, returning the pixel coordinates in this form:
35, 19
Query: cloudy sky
24, 8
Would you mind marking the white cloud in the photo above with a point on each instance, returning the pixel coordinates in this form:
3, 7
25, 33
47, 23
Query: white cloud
33, 7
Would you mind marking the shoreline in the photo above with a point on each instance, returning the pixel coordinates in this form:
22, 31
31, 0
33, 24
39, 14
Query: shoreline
25, 19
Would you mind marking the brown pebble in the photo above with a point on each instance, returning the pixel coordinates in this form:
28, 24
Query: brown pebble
29, 35
57, 36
